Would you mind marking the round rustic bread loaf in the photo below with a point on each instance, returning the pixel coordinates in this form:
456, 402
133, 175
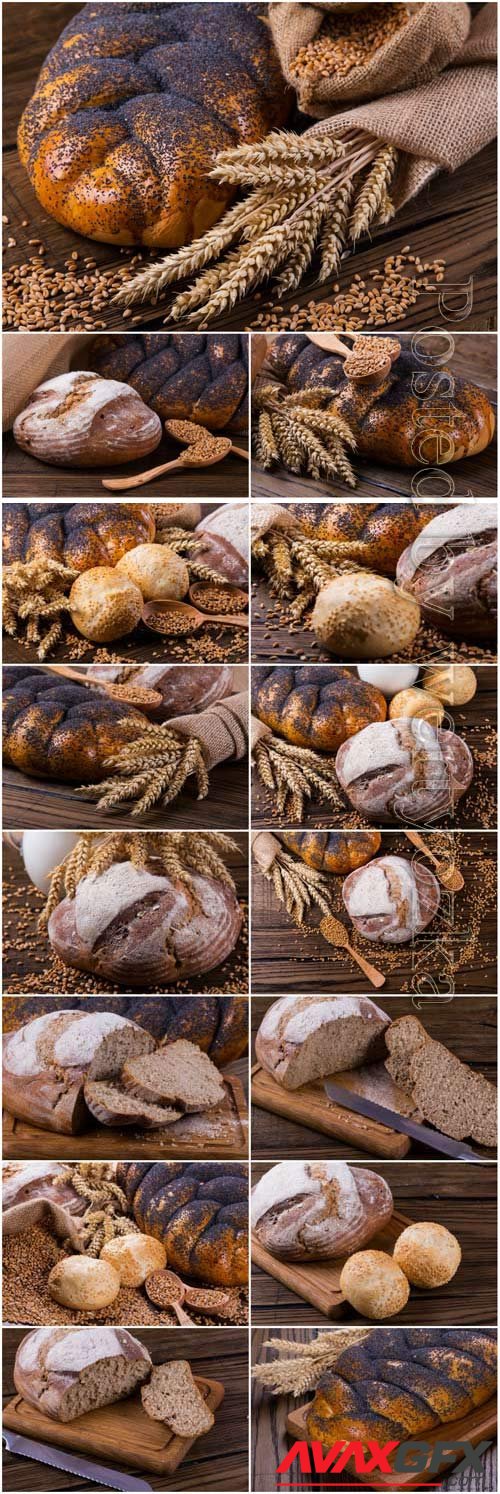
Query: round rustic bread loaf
46, 1060
80, 535
428, 1254
202, 377
302, 1038
404, 770
132, 106
317, 708
64, 1372
318, 1210
374, 1284
199, 1210
451, 570
391, 900
79, 420
53, 728
338, 851
104, 605
83, 1284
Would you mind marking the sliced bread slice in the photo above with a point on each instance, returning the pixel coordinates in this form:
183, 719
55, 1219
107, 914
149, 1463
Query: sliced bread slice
403, 1038
171, 1395
113, 1105
449, 1094
179, 1074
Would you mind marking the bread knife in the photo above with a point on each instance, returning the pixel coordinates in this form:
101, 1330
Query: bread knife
42, 1452
396, 1122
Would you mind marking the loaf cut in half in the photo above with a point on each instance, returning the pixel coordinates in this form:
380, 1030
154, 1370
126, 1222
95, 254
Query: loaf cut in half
179, 1075
172, 1396
401, 1382
404, 770
391, 900
47, 1060
65, 1372
114, 1105
450, 1095
317, 1210
132, 106
303, 1038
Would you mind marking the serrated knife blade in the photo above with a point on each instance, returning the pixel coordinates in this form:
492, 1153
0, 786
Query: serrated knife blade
396, 1122
43, 1452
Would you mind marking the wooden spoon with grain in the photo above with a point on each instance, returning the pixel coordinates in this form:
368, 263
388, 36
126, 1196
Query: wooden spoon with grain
171, 1293
333, 930
449, 876
186, 619
128, 694
193, 456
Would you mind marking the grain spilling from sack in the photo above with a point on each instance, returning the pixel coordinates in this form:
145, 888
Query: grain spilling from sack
348, 41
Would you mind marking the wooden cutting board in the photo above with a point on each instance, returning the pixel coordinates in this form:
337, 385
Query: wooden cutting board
309, 1106
478, 1426
122, 1433
318, 1282
223, 1136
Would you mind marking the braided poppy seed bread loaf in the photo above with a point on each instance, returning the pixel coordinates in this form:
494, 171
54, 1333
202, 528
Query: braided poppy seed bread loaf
55, 729
199, 1210
46, 1061
379, 531
140, 929
79, 535
392, 422
401, 1382
64, 1372
132, 106
338, 851
302, 1038
317, 708
201, 377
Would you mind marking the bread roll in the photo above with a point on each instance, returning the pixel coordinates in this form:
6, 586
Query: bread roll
362, 616
428, 1254
157, 571
104, 605
134, 1257
374, 1284
84, 1284
415, 702
80, 420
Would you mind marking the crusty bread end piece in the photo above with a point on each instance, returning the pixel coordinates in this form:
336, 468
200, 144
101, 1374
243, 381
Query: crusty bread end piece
171, 1395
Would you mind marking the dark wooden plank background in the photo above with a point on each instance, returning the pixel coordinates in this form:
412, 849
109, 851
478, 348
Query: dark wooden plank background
36, 960
270, 1440
217, 1461
467, 1025
474, 722
24, 477
454, 1195
143, 646
286, 958
36, 803
453, 218
474, 359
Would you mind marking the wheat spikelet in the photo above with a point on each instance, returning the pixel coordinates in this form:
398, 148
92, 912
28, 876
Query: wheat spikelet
299, 261
294, 773
335, 231
311, 398
368, 200
279, 145
266, 449
191, 258
386, 211
288, 441
206, 285
325, 422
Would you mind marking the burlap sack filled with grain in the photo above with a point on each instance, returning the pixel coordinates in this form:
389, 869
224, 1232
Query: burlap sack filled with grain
443, 123
425, 39
222, 730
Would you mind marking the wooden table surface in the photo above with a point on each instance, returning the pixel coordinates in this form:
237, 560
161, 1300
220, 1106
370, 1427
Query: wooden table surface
24, 477
474, 359
35, 802
467, 1025
271, 1441
34, 961
217, 1461
214, 643
475, 723
453, 218
452, 1194
456, 953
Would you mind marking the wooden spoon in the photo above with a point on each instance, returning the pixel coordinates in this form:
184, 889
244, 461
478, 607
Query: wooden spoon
176, 1293
333, 930
187, 458
199, 588
194, 619
128, 694
449, 876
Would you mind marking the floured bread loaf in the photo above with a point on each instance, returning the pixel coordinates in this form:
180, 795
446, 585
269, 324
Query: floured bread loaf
65, 1372
183, 689
141, 930
305, 1037
46, 1061
317, 1210
451, 570
78, 419
392, 899
404, 770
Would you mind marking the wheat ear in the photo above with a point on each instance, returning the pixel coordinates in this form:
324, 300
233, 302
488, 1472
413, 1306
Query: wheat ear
371, 193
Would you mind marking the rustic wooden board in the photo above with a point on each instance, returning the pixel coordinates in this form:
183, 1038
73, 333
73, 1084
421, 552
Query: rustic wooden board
310, 1107
478, 1426
38, 804
21, 1141
318, 1282
121, 1431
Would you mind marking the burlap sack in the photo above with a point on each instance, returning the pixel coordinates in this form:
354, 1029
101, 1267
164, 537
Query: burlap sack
222, 730
28, 361
427, 43
440, 125
59, 1220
